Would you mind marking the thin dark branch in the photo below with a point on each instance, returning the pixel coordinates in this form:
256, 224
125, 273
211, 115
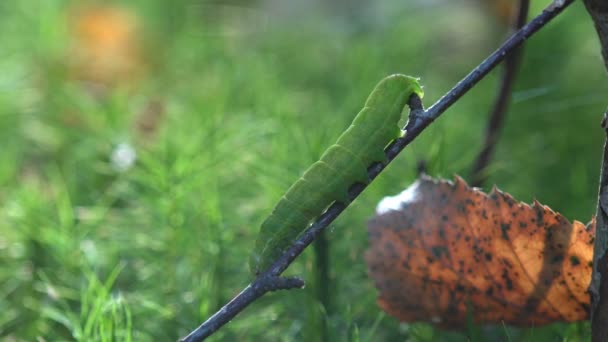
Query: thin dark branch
270, 284
598, 289
418, 121
499, 110
253, 291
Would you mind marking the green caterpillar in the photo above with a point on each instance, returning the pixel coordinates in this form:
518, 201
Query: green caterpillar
342, 165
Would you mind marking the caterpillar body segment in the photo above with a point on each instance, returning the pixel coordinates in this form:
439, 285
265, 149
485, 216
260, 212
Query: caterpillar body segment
342, 165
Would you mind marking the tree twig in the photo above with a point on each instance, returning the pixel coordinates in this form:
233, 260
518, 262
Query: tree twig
598, 289
419, 119
499, 110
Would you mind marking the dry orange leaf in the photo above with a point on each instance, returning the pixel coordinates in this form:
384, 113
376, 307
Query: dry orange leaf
451, 249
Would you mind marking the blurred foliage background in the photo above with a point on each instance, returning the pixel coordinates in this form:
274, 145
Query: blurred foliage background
143, 141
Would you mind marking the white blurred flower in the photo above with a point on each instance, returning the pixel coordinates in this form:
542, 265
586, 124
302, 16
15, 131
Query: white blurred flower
123, 157
89, 250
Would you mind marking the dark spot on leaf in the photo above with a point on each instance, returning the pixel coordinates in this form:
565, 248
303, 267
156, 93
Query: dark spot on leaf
439, 250
508, 281
574, 260
504, 227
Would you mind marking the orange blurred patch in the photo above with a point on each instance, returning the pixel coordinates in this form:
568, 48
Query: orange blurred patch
505, 9
105, 45
502, 10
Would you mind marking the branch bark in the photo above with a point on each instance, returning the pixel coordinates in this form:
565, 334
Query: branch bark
419, 119
599, 279
598, 289
499, 110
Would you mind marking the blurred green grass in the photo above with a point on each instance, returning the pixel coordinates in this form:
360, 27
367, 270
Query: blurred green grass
250, 94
